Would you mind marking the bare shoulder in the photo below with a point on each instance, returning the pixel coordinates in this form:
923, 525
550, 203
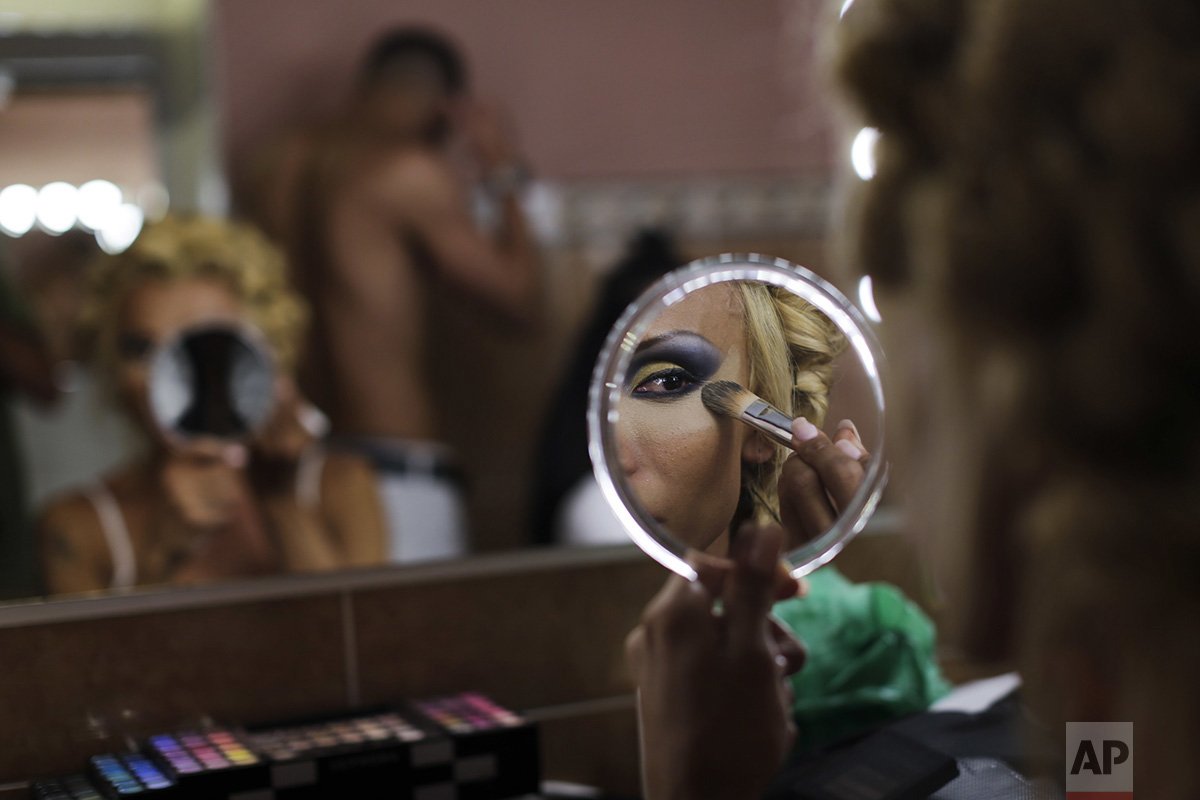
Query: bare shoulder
74, 514
415, 173
72, 507
69, 527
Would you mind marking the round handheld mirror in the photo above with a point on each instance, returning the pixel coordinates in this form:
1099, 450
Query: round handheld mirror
691, 403
212, 380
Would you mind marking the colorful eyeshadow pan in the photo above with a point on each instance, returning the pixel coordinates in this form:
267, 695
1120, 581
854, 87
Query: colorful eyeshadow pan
194, 752
129, 774
468, 713
302, 740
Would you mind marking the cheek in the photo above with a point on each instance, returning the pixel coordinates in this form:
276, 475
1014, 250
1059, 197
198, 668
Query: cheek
684, 464
132, 380
674, 438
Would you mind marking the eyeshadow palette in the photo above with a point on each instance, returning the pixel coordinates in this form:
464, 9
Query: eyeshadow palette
129, 774
209, 763
283, 744
72, 787
461, 747
495, 751
199, 751
468, 712
335, 756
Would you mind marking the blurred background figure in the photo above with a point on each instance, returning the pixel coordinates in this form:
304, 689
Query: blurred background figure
568, 507
79, 437
50, 273
206, 509
735, 173
26, 369
121, 113
371, 210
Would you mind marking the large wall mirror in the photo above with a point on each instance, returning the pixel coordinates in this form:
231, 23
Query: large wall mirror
654, 135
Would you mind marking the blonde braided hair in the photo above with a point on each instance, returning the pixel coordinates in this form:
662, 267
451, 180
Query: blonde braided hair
791, 348
188, 247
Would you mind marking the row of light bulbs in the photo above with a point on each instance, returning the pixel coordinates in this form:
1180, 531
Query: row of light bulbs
97, 206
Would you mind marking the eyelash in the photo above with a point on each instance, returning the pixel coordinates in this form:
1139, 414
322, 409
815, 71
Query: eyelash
672, 372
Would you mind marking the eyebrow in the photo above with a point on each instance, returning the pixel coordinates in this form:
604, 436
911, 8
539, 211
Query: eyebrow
672, 336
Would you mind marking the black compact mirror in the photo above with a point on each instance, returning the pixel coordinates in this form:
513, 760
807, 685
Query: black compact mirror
213, 380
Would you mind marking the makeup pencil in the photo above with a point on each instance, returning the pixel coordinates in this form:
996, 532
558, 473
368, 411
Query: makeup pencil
732, 400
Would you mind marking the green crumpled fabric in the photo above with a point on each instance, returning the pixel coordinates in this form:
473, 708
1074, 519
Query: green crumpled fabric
870, 658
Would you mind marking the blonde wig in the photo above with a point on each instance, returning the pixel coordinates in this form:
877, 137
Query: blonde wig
1037, 195
791, 348
192, 247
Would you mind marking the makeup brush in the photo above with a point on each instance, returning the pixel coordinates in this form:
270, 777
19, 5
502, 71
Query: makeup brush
731, 400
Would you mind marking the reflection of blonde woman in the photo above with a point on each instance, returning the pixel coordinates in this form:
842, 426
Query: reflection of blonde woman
206, 511
700, 475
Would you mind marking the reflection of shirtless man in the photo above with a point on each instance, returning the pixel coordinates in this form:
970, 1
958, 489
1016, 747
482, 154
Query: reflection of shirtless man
370, 211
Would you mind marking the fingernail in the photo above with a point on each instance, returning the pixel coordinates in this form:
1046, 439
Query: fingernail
235, 456
803, 430
849, 426
803, 587
847, 447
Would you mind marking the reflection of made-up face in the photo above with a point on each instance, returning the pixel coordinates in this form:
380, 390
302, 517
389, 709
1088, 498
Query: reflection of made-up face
150, 314
683, 462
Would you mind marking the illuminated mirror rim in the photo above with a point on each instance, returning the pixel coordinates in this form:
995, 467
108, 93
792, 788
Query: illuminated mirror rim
607, 384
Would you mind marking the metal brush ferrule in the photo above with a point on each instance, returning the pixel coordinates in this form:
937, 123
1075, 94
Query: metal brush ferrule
770, 420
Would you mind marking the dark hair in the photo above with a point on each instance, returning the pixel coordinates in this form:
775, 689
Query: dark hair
563, 449
419, 42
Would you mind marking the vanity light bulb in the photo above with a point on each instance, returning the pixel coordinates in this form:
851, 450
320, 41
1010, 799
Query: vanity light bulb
97, 201
57, 206
18, 209
862, 153
866, 299
122, 227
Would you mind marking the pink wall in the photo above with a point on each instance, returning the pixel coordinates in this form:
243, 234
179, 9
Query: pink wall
77, 137
597, 88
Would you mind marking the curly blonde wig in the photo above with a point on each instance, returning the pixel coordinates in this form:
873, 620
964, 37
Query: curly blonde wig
1037, 194
791, 348
189, 247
